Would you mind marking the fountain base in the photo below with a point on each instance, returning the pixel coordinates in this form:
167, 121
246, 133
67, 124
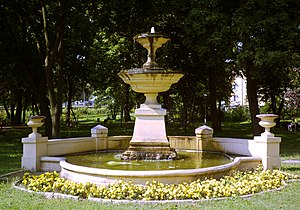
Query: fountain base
144, 152
149, 140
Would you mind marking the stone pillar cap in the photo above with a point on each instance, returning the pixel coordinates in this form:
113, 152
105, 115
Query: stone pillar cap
99, 129
204, 129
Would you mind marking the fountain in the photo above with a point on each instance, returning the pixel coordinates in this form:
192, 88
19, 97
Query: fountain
149, 140
149, 144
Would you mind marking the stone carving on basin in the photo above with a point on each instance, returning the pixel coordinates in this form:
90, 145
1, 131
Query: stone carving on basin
149, 139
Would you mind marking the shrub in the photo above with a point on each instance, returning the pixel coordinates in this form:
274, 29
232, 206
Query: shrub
237, 114
240, 183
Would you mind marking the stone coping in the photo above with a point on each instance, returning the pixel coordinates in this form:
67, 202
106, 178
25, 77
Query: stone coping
107, 176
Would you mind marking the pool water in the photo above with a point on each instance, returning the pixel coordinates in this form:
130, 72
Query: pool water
185, 160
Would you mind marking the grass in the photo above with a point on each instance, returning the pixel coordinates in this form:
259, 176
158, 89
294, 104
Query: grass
287, 198
11, 153
11, 148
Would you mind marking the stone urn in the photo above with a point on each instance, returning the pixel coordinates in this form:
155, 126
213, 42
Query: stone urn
35, 122
149, 140
267, 122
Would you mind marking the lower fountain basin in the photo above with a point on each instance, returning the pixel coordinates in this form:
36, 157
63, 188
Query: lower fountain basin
105, 176
187, 159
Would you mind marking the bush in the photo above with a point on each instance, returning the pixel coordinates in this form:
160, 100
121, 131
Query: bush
240, 183
237, 114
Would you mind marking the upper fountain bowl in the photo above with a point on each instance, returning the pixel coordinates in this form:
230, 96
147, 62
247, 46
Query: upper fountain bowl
151, 78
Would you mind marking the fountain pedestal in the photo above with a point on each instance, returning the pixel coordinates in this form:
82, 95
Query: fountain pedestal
149, 141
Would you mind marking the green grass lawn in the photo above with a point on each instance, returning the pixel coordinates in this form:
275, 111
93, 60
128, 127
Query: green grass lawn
11, 148
287, 198
11, 153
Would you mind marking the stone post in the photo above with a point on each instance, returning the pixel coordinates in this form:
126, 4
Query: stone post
204, 137
100, 133
34, 146
267, 145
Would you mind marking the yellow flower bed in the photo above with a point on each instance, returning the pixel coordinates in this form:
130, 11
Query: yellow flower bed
239, 183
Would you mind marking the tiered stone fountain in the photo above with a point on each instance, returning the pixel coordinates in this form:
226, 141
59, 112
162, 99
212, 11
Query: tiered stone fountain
149, 139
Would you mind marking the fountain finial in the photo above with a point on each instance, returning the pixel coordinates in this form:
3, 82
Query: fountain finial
151, 41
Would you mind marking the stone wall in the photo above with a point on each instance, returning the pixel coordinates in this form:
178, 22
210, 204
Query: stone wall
39, 153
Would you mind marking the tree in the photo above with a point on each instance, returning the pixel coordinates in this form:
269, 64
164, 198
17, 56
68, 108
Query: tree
292, 96
80, 73
129, 18
109, 55
61, 46
52, 31
209, 37
17, 57
260, 37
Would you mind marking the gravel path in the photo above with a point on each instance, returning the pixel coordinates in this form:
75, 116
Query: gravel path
291, 161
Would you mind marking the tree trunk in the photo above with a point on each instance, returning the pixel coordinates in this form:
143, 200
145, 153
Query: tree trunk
18, 116
57, 107
281, 105
69, 105
279, 110
213, 101
40, 102
252, 99
45, 111
273, 103
12, 112
6, 110
220, 113
55, 111
24, 112
114, 112
39, 98
54, 54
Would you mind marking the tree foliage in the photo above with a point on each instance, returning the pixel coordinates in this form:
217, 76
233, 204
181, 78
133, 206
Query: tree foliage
52, 50
267, 40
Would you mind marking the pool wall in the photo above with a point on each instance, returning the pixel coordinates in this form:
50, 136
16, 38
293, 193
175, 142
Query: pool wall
43, 154
105, 176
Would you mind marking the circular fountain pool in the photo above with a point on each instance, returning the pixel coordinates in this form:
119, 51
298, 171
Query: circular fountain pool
189, 166
184, 160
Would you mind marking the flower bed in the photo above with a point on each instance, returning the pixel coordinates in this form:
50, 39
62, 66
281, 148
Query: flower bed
238, 184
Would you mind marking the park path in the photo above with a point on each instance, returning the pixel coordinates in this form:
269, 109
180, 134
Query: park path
293, 161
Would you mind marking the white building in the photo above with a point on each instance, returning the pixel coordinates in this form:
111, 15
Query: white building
239, 95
